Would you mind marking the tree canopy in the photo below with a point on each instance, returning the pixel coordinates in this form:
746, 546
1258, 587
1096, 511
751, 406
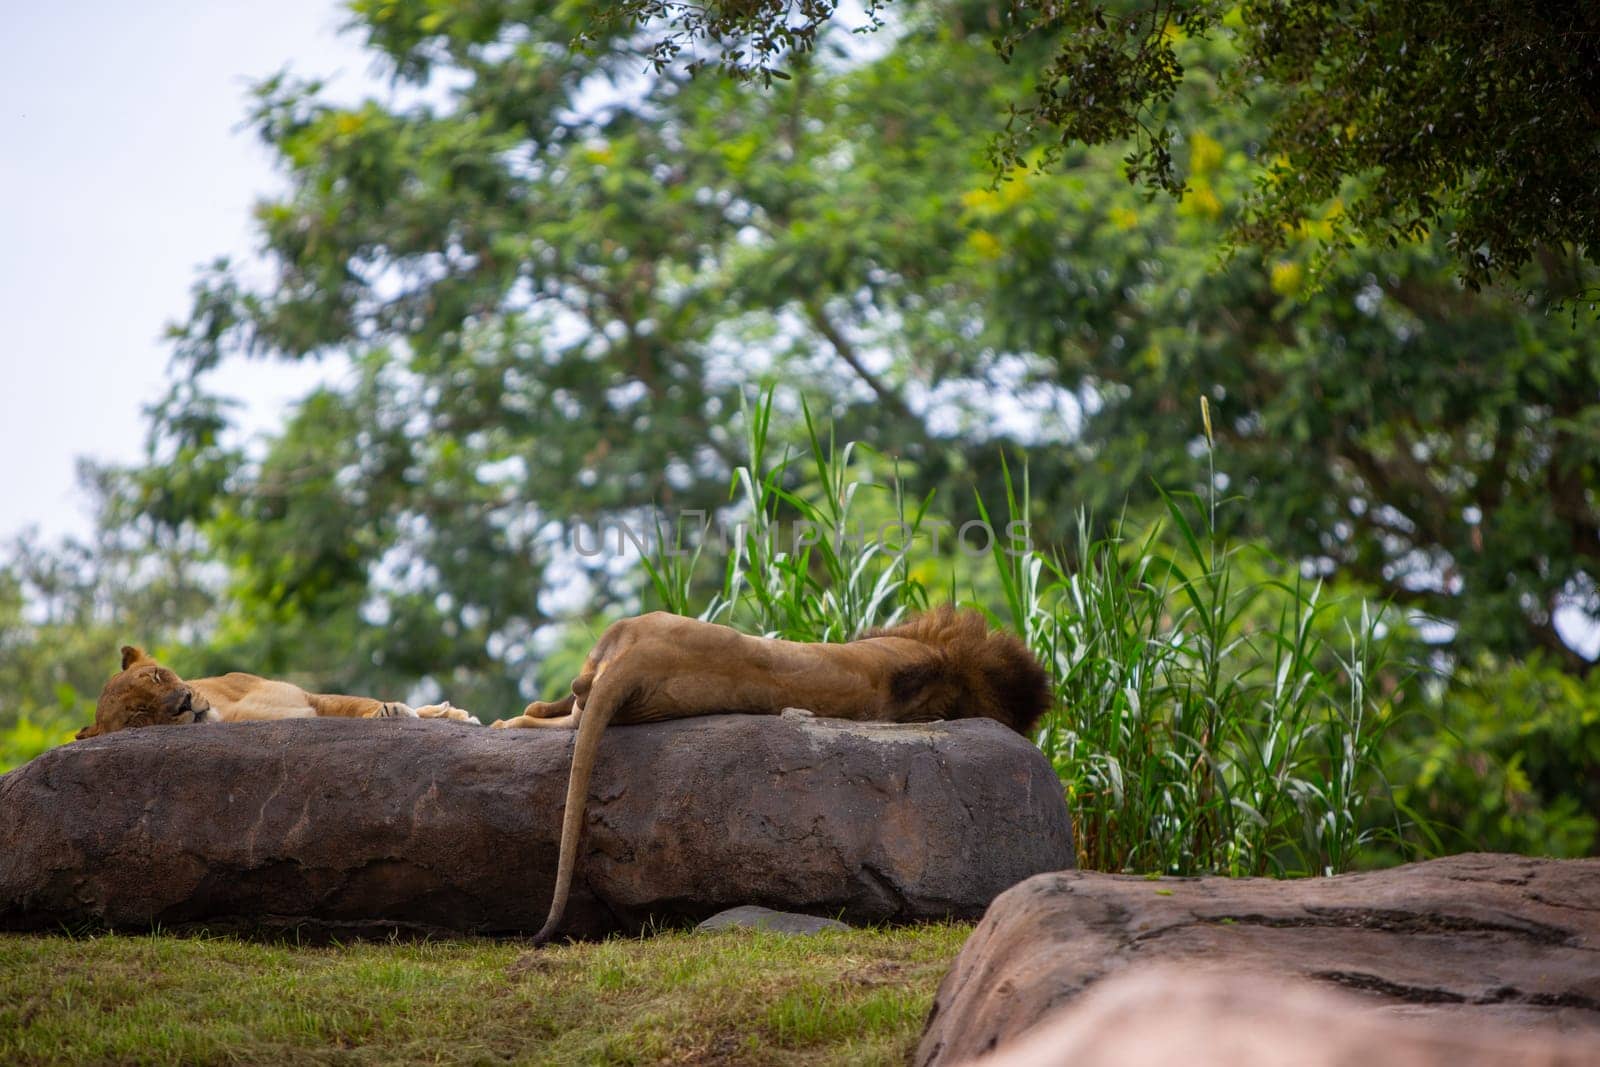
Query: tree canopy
1477, 119
555, 280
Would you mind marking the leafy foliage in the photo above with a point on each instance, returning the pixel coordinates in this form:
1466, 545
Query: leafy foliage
23, 739
65, 610
1480, 119
1384, 425
1504, 760
553, 293
750, 40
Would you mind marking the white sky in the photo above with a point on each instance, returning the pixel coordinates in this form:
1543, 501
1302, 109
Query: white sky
122, 169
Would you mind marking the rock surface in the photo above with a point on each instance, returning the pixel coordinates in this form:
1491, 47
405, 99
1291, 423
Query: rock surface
358, 827
1165, 1015
1496, 940
753, 917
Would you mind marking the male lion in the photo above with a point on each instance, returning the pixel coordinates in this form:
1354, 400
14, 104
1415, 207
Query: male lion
144, 693
946, 664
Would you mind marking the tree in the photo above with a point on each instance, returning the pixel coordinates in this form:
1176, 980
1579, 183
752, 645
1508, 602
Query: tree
1479, 119
65, 609
553, 307
1437, 445
553, 292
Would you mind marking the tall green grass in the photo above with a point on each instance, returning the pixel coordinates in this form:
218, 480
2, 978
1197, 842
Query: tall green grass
1215, 714
825, 583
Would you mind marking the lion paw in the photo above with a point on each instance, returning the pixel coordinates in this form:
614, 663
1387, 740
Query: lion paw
798, 713
447, 710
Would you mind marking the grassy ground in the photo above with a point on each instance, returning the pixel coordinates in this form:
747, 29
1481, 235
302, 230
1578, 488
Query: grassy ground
735, 998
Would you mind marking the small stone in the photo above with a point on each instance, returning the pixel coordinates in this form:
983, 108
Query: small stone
754, 917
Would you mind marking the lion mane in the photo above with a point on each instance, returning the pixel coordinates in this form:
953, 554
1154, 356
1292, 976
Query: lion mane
973, 671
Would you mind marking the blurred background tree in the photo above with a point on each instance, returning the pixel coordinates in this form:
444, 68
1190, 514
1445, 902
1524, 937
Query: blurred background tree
1476, 118
558, 272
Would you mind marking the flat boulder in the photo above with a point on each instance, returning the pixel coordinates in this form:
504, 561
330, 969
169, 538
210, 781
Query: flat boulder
361, 828
1468, 944
1165, 1014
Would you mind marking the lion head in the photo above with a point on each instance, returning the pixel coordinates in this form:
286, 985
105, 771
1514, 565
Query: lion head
976, 672
144, 693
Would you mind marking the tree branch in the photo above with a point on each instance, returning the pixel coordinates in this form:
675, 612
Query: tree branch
847, 352
1399, 488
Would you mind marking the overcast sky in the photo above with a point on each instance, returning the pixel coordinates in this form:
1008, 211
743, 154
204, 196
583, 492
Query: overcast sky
122, 169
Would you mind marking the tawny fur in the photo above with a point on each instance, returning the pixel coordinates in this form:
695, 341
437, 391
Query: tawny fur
946, 664
144, 693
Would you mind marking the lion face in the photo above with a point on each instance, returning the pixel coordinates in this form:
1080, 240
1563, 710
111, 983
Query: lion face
144, 693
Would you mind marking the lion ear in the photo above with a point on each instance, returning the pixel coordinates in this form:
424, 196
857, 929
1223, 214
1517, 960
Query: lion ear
132, 654
92, 730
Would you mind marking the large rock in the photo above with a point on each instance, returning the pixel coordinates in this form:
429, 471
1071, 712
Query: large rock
1165, 1015
1466, 940
357, 827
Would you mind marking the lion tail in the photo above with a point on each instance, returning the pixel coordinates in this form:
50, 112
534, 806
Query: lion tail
596, 715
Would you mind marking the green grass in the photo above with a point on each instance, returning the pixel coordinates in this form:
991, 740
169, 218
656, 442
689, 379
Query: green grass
736, 997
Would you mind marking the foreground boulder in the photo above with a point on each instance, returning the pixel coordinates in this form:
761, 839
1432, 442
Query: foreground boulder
1466, 941
361, 827
1166, 1014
